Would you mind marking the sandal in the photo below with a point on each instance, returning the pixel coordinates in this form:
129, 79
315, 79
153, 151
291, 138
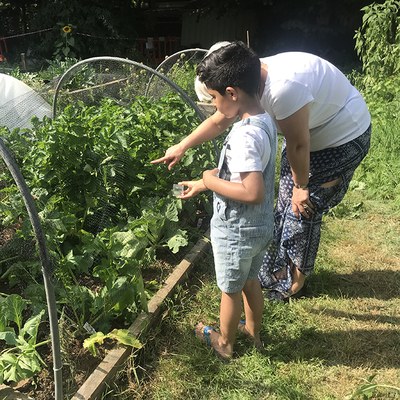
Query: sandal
204, 334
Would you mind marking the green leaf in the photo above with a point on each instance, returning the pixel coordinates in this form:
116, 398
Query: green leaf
125, 337
10, 362
120, 335
15, 305
177, 241
31, 327
90, 342
172, 212
127, 244
9, 337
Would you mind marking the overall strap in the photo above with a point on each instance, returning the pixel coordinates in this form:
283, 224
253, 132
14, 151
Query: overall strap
269, 130
259, 123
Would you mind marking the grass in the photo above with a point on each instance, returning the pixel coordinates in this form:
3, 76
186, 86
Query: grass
342, 337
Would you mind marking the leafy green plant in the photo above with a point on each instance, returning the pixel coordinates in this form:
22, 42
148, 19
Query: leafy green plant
378, 39
377, 42
371, 389
122, 336
183, 73
20, 358
56, 67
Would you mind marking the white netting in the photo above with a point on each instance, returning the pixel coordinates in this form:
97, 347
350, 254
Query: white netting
123, 80
19, 103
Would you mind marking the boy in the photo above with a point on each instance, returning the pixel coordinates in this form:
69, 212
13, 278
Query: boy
243, 186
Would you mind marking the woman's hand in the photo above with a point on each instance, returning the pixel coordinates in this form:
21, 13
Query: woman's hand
301, 203
172, 156
193, 188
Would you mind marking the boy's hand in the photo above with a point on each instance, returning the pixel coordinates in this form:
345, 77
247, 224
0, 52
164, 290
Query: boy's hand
172, 156
193, 188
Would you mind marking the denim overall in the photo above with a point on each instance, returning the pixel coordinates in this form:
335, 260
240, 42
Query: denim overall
240, 232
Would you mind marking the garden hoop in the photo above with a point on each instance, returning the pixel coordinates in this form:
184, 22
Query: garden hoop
123, 61
46, 265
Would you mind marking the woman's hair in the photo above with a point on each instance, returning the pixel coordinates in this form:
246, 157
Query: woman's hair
228, 64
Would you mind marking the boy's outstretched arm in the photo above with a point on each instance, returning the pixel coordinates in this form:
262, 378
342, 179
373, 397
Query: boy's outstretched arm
250, 190
207, 130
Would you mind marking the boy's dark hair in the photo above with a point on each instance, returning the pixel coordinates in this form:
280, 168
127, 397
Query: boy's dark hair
233, 65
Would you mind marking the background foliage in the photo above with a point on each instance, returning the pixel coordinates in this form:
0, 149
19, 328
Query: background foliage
110, 28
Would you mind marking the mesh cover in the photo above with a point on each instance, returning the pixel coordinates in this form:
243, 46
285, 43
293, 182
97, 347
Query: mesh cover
19, 103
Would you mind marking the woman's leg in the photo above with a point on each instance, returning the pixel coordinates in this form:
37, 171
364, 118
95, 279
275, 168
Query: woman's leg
298, 279
291, 257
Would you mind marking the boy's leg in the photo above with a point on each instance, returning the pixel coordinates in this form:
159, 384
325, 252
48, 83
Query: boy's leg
230, 312
253, 301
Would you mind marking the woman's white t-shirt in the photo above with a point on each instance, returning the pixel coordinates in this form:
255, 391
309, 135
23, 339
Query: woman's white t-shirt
338, 112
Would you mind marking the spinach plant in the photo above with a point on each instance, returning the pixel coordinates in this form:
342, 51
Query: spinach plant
106, 211
19, 359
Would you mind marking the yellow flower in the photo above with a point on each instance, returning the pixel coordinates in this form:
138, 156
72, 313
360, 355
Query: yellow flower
67, 29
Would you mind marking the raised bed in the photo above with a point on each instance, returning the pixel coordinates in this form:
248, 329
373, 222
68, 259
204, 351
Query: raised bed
94, 386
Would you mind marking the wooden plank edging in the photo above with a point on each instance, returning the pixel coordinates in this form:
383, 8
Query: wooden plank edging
95, 384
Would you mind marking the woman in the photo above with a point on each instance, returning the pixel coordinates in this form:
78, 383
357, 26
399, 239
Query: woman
327, 127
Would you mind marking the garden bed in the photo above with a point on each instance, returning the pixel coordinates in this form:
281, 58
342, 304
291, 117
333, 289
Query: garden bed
113, 229
91, 374
107, 369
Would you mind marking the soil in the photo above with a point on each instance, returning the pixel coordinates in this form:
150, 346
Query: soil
76, 369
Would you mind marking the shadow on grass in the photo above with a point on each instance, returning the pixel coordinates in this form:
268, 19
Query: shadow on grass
378, 284
357, 348
248, 376
375, 318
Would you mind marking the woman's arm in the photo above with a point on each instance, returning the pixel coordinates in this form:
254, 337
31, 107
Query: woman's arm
250, 190
207, 130
296, 130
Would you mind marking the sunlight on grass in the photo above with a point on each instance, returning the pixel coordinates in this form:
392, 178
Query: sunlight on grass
320, 347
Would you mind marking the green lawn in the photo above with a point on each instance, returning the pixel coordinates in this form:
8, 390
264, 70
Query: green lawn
326, 345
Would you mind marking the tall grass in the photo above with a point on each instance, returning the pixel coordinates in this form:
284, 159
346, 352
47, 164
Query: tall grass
381, 168
379, 172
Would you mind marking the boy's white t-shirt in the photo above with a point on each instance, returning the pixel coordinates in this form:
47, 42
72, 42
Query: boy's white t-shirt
248, 148
338, 112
